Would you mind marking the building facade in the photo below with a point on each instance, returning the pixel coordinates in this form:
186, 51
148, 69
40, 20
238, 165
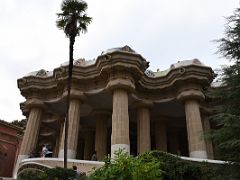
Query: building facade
117, 103
10, 143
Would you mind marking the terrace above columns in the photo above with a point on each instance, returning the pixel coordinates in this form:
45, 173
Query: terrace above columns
121, 83
191, 94
75, 94
34, 102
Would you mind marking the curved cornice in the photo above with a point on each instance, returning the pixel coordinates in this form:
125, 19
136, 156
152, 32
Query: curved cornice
103, 67
192, 73
110, 66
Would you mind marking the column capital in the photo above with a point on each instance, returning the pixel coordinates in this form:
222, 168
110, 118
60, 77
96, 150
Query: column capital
75, 94
191, 94
31, 103
121, 83
143, 104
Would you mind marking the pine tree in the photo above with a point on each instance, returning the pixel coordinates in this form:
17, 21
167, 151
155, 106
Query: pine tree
226, 136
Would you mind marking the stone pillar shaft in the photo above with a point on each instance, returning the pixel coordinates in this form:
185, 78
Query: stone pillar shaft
30, 136
31, 132
120, 122
88, 144
174, 142
209, 146
101, 136
161, 136
196, 142
73, 129
144, 138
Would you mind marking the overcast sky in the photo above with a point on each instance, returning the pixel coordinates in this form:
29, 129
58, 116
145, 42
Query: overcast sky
162, 31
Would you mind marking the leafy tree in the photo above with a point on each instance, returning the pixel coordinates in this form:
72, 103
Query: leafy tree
73, 20
226, 136
20, 123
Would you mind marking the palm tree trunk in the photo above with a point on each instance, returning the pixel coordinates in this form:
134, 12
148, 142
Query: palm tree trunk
70, 67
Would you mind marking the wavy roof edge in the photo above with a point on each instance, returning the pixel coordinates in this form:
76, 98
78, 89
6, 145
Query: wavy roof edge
84, 63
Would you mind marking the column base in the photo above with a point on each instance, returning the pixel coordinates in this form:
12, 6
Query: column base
199, 154
117, 147
71, 154
19, 159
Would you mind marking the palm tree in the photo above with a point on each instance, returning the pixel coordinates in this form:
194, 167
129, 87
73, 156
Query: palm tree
73, 20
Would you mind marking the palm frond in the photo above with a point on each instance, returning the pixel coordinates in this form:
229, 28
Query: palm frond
83, 22
73, 19
73, 6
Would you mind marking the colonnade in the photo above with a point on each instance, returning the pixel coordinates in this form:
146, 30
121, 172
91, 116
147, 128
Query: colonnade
120, 89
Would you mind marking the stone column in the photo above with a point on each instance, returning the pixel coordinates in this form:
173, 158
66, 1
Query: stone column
73, 130
207, 128
101, 133
76, 98
143, 126
80, 154
88, 144
120, 117
120, 122
161, 134
174, 146
196, 142
58, 137
32, 130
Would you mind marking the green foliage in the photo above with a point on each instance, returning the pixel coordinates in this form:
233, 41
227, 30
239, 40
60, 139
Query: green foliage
73, 18
159, 165
226, 136
230, 43
175, 168
20, 123
57, 173
32, 175
153, 165
145, 167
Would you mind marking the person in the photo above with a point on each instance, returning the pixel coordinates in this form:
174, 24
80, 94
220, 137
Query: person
49, 152
78, 174
94, 156
44, 150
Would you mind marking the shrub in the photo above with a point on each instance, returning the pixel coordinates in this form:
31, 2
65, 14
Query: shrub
160, 165
175, 168
57, 173
32, 174
145, 167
